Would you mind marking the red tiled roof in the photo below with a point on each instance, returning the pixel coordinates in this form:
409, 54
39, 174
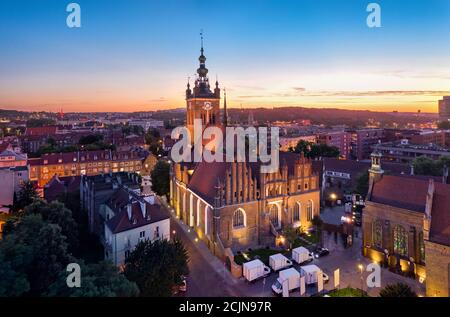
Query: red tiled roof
120, 222
49, 130
402, 192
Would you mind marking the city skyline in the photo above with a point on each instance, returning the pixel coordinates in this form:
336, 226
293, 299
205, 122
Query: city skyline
135, 58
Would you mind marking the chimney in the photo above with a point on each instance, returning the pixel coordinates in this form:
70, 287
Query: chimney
143, 208
129, 210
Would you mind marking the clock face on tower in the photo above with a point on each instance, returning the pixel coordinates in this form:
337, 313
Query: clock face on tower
207, 106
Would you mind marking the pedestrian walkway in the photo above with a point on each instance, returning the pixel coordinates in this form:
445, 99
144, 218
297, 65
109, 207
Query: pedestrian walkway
217, 265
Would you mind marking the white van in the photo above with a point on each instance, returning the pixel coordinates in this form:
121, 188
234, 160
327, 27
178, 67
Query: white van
289, 277
278, 262
302, 255
255, 269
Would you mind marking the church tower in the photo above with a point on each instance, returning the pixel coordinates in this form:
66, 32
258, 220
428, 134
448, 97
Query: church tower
202, 103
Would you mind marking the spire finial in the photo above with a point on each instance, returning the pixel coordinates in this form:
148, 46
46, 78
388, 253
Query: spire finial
201, 39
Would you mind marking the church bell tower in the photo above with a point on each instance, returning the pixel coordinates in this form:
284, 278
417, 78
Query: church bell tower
202, 103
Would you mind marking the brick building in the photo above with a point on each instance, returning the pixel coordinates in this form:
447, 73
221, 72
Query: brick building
235, 205
83, 163
406, 226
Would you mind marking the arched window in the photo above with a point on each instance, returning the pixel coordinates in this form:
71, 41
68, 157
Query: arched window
377, 233
239, 218
296, 214
273, 215
421, 248
400, 241
309, 210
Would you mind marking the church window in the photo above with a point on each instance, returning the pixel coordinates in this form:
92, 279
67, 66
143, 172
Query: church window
421, 248
273, 212
296, 215
377, 233
400, 241
239, 218
309, 210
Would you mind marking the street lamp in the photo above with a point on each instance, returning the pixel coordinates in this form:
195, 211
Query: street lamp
361, 267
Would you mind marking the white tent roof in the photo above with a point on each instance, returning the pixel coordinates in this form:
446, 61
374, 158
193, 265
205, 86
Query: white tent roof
310, 268
252, 264
278, 256
300, 250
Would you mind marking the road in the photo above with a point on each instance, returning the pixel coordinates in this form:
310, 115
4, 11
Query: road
207, 277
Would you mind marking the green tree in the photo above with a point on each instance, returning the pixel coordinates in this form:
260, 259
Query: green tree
323, 150
33, 123
362, 184
99, 280
156, 267
303, 146
397, 290
445, 125
426, 166
56, 213
160, 178
26, 195
317, 224
291, 234
32, 256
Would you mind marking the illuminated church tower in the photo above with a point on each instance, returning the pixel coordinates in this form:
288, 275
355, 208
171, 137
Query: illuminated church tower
202, 103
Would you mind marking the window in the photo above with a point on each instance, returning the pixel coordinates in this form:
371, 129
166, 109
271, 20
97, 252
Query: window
306, 185
377, 233
142, 234
421, 248
156, 234
296, 214
238, 218
309, 210
400, 241
273, 215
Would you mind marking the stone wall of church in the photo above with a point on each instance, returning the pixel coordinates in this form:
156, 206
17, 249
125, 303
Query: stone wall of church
438, 269
240, 237
389, 217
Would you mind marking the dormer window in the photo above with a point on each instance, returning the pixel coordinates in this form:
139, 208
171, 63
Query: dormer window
59, 160
45, 162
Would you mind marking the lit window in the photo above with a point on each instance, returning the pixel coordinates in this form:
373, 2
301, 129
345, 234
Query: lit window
238, 218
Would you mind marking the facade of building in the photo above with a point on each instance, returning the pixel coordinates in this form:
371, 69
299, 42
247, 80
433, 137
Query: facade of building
287, 142
362, 142
403, 151
88, 163
406, 226
339, 139
129, 219
444, 108
234, 204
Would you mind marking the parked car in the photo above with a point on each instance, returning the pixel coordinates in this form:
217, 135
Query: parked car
180, 287
320, 252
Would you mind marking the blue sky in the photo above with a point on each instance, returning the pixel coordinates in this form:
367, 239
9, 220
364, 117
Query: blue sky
138, 54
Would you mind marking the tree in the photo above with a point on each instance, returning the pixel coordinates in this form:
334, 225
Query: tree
32, 257
444, 125
160, 178
397, 290
362, 184
98, 280
156, 267
56, 213
317, 224
291, 234
313, 150
90, 139
42, 122
26, 195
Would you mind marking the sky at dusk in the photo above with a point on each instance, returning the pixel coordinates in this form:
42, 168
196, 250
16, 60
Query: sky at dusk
132, 55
